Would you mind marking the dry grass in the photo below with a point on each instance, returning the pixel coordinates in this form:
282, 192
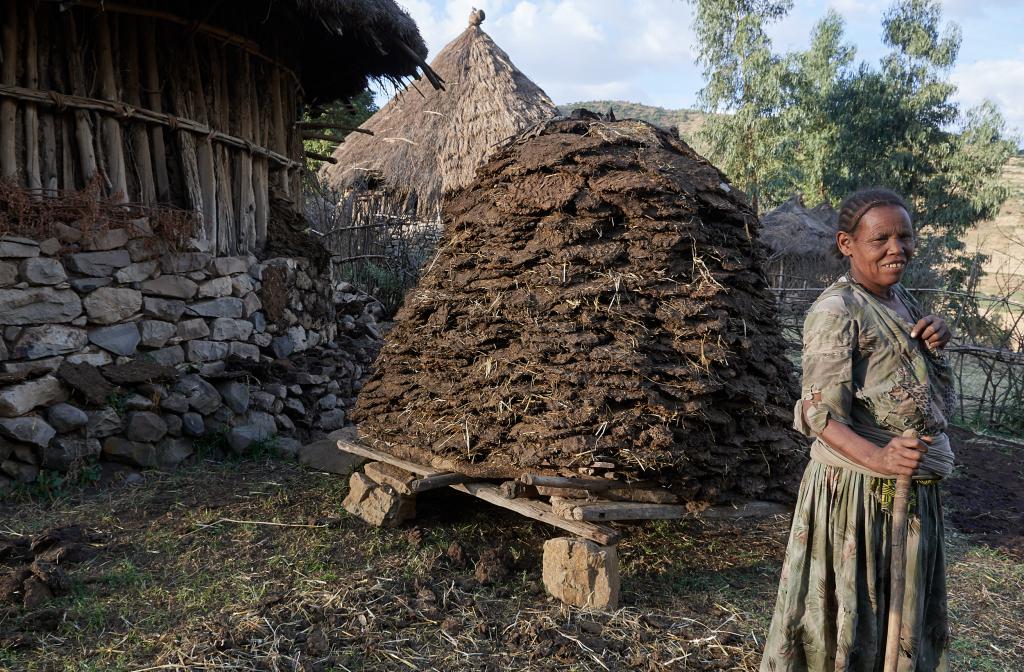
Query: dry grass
179, 588
1002, 239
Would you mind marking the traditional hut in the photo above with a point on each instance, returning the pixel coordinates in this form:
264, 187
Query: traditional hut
189, 104
800, 242
429, 142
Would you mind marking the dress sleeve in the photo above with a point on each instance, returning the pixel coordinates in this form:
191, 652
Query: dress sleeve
829, 343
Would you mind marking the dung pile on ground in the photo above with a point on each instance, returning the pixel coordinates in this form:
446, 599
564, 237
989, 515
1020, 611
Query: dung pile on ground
597, 307
32, 570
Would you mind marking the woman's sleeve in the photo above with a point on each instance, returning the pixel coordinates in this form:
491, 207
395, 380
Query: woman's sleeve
829, 344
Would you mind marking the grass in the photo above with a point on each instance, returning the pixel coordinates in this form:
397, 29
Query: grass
184, 582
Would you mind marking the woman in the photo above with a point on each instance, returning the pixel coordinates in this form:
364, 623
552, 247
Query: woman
871, 370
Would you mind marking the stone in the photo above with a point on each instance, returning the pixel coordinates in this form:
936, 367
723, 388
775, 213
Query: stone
21, 398
28, 429
43, 271
192, 424
324, 455
98, 264
86, 285
67, 234
192, 329
295, 406
138, 371
174, 424
262, 340
282, 346
263, 400
276, 389
136, 272
331, 420
65, 451
170, 356
169, 310
19, 471
198, 276
262, 420
103, 422
241, 438
242, 285
137, 402
8, 273
259, 322
145, 426
176, 403
212, 369
378, 505
110, 239
251, 303
109, 305
86, 380
327, 402
173, 451
214, 288
47, 341
244, 351
141, 249
120, 339
38, 305
90, 355
229, 265
202, 396
184, 262
581, 573
174, 286
206, 351
50, 246
226, 306
235, 394
284, 423
120, 449
287, 446
66, 418
228, 329
16, 372
13, 247
156, 333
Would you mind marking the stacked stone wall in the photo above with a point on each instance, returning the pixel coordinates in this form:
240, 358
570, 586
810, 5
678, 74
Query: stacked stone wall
113, 347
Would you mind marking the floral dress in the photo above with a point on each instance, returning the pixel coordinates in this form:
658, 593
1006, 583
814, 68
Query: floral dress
832, 605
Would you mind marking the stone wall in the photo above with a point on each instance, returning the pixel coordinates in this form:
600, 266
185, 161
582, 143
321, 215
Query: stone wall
114, 348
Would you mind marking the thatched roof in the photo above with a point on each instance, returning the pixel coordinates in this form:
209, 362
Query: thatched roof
337, 44
795, 231
429, 142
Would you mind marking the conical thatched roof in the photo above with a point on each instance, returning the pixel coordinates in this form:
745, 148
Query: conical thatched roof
794, 230
428, 142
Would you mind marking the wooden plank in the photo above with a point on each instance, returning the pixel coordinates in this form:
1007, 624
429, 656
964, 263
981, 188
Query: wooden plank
388, 474
593, 484
370, 453
541, 511
600, 511
438, 481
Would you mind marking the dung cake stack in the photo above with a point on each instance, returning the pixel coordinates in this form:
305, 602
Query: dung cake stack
597, 307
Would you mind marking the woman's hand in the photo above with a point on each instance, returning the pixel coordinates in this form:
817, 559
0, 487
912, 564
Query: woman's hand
933, 332
901, 456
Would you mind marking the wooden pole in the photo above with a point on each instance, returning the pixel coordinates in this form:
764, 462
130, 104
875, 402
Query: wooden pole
83, 125
154, 97
897, 568
245, 199
181, 94
204, 148
260, 172
50, 180
324, 126
113, 137
278, 136
9, 108
32, 156
220, 119
138, 131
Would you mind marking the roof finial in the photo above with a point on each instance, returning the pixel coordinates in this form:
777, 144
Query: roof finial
476, 17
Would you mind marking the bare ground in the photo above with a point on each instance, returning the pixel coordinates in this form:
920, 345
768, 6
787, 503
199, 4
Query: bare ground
183, 582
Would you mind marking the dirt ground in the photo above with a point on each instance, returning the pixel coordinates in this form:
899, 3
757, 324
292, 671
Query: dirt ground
254, 566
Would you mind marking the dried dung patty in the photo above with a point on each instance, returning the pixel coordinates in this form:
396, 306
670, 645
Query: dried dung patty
597, 306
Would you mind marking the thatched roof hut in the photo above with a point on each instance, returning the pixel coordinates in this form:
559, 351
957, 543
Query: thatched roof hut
189, 104
428, 142
800, 242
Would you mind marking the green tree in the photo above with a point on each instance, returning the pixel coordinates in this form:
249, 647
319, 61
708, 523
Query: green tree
345, 114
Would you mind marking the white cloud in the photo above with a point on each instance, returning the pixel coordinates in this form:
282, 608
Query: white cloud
1001, 81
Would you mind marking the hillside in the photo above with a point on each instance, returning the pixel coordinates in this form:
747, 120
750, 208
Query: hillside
686, 122
1002, 239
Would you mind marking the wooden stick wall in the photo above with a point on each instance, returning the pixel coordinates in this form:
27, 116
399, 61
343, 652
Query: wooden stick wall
163, 114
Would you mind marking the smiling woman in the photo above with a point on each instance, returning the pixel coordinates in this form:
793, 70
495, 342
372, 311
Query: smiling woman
872, 370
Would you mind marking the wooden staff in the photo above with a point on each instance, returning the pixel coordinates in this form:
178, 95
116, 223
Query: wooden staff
897, 567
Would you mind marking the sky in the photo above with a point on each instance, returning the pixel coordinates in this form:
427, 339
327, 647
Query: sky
643, 51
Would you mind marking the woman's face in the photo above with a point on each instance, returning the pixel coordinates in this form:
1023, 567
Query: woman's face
880, 247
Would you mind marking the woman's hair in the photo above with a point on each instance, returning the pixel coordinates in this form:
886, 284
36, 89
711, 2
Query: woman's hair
857, 204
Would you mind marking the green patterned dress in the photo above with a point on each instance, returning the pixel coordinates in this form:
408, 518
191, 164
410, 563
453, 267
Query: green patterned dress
831, 608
